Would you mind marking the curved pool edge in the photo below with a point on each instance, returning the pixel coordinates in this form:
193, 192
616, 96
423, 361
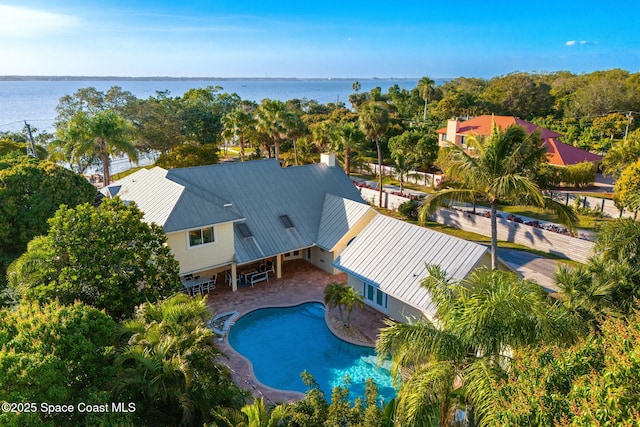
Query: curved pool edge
281, 395
286, 395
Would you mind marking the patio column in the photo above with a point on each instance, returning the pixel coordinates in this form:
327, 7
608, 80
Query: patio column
278, 266
234, 279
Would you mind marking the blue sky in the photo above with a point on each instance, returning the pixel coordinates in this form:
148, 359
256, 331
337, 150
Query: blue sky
238, 38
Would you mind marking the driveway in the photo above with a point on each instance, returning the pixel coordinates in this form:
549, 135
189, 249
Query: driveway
531, 266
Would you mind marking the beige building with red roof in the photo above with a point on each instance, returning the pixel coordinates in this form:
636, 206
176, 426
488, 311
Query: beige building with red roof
558, 153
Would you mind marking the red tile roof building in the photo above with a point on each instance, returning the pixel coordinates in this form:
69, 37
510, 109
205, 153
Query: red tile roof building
558, 153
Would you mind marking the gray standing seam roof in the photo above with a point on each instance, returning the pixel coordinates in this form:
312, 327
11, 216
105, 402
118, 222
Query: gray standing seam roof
338, 216
392, 254
260, 192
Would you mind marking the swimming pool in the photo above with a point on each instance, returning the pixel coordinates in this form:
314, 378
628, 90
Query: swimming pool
281, 343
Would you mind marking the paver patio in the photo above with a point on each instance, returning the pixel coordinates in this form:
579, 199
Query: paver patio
300, 282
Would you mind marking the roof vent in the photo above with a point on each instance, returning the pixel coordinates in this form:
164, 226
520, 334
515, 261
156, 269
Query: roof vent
286, 221
228, 205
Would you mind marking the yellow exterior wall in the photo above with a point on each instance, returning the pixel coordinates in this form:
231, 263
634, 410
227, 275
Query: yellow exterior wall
354, 231
206, 256
324, 259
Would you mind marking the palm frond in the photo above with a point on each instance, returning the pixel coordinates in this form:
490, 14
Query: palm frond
516, 187
565, 214
444, 197
481, 381
411, 344
426, 396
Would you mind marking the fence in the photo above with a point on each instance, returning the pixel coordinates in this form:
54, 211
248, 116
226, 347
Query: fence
537, 238
605, 206
389, 200
526, 235
413, 177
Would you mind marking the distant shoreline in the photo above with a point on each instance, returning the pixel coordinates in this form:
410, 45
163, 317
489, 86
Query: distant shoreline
159, 78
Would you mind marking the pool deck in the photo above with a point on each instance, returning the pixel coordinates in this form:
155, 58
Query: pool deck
300, 282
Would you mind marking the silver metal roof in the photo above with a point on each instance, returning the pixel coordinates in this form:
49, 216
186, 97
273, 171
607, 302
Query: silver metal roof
392, 255
155, 195
172, 205
256, 192
338, 216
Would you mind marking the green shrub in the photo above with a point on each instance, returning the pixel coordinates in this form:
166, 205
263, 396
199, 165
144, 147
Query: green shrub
579, 175
409, 209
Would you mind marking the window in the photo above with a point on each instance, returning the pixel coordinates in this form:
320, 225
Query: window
375, 297
201, 236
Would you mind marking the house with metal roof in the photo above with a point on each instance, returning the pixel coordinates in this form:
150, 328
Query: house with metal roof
558, 153
226, 217
387, 261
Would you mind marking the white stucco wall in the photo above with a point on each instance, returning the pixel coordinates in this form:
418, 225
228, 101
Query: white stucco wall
396, 309
322, 259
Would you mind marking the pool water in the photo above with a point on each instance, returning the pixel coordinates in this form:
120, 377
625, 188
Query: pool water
283, 342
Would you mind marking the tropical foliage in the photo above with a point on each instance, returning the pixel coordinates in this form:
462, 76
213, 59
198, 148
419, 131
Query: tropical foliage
479, 325
373, 119
87, 137
30, 193
59, 355
609, 284
500, 168
168, 364
343, 296
592, 383
106, 257
627, 188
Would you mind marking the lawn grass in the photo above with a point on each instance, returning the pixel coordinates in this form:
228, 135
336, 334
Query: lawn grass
586, 222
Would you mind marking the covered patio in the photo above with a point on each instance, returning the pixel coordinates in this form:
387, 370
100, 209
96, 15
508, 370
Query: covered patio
300, 282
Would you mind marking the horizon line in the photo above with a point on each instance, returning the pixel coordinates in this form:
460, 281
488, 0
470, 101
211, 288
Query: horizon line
85, 77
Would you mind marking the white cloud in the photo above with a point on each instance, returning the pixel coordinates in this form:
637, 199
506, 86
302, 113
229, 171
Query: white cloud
23, 22
580, 43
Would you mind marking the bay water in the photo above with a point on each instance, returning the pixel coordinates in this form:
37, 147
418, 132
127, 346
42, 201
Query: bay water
35, 101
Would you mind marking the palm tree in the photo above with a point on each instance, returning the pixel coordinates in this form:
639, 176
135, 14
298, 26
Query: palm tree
340, 295
479, 324
167, 360
402, 163
403, 153
588, 290
101, 134
610, 281
294, 129
356, 86
425, 88
497, 169
272, 120
259, 416
374, 122
238, 123
347, 137
333, 295
322, 133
